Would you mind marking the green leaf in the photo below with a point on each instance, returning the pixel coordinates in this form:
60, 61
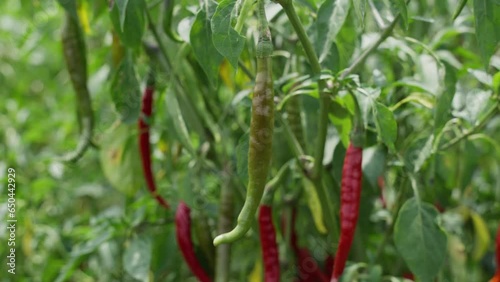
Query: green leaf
128, 18
126, 91
341, 110
444, 99
423, 154
119, 157
459, 9
226, 40
360, 10
403, 11
173, 109
373, 164
487, 18
386, 125
137, 258
203, 46
419, 239
331, 16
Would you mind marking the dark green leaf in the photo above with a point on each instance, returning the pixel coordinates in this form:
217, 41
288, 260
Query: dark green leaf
128, 18
386, 125
203, 47
126, 92
444, 99
487, 17
419, 239
226, 40
403, 11
331, 17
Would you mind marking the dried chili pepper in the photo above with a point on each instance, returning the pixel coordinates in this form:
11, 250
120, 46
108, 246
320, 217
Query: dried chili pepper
268, 244
76, 63
261, 134
349, 206
183, 234
144, 145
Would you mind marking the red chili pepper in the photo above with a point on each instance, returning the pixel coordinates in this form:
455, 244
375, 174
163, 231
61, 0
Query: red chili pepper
144, 146
409, 276
183, 232
350, 195
329, 265
268, 244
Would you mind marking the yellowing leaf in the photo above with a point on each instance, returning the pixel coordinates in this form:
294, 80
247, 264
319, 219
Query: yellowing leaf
256, 274
481, 236
314, 205
84, 16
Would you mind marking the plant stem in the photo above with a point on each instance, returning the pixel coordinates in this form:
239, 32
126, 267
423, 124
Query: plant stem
359, 60
316, 69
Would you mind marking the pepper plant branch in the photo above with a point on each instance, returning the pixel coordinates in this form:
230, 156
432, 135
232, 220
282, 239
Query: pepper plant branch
491, 112
223, 252
316, 69
359, 61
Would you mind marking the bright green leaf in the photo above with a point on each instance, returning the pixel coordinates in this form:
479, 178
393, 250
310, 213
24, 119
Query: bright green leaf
419, 239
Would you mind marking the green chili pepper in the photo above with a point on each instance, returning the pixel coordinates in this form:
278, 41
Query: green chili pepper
76, 63
261, 134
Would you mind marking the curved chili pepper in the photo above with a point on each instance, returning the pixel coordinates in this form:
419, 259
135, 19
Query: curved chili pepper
183, 234
261, 134
268, 244
349, 206
144, 146
76, 63
167, 21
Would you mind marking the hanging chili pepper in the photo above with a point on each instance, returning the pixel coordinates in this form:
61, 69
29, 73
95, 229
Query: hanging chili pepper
261, 134
268, 244
183, 234
144, 145
349, 206
76, 63
168, 13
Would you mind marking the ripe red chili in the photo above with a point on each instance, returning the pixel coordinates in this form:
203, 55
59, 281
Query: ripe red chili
268, 244
183, 234
144, 146
349, 206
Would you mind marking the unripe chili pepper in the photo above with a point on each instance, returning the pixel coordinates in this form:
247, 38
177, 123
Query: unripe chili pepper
261, 134
144, 145
268, 244
183, 234
76, 63
349, 206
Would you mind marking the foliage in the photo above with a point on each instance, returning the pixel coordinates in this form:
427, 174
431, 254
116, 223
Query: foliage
424, 74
